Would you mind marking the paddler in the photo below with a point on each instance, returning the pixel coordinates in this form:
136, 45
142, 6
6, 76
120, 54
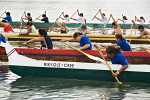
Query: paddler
124, 19
122, 43
8, 17
45, 18
116, 57
85, 30
28, 17
116, 27
66, 18
81, 18
83, 39
144, 32
44, 39
7, 26
63, 28
2, 38
104, 19
30, 29
141, 20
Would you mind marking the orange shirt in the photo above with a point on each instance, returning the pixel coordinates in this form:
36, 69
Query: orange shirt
8, 28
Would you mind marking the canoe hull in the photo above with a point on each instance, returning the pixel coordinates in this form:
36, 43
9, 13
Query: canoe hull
81, 74
93, 38
73, 55
75, 25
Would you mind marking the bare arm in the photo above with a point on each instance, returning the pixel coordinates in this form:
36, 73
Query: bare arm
120, 70
28, 31
137, 19
84, 47
33, 40
113, 19
73, 18
96, 18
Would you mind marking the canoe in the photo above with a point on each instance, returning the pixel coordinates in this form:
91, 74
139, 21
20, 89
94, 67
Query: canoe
16, 24
93, 38
134, 57
24, 66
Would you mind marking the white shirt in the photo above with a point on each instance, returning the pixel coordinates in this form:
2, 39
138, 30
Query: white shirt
142, 22
124, 21
81, 20
67, 20
104, 20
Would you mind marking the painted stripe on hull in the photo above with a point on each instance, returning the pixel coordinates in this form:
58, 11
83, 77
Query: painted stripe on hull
40, 24
82, 74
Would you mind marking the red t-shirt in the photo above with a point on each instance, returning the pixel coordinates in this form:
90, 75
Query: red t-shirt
8, 28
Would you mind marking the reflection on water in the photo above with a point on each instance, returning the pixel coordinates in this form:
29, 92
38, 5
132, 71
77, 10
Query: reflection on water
32, 88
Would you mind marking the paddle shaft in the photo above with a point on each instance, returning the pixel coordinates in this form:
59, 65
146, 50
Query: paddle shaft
39, 16
107, 64
74, 14
3, 14
55, 22
130, 34
106, 24
95, 15
78, 50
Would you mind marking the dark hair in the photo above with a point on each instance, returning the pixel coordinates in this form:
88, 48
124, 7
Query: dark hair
112, 50
119, 36
103, 14
140, 27
142, 18
8, 13
81, 14
83, 27
44, 15
113, 23
43, 32
66, 15
4, 21
125, 17
28, 14
29, 23
76, 34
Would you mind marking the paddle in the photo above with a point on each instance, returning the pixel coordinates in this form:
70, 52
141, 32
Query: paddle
74, 14
130, 34
98, 49
86, 54
2, 14
106, 24
96, 14
56, 21
39, 16
21, 26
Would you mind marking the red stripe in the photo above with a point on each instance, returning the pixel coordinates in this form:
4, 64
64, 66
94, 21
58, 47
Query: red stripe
73, 52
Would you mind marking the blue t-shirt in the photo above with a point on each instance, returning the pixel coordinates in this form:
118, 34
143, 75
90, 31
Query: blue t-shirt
8, 18
85, 40
119, 59
124, 45
45, 20
2, 39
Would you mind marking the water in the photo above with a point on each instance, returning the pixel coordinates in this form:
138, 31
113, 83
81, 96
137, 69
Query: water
12, 87
29, 88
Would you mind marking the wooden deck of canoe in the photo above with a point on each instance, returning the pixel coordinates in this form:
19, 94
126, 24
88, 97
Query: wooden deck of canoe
73, 55
93, 38
16, 24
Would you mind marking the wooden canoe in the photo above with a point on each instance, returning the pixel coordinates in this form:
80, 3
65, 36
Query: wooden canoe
16, 24
24, 66
93, 38
138, 57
